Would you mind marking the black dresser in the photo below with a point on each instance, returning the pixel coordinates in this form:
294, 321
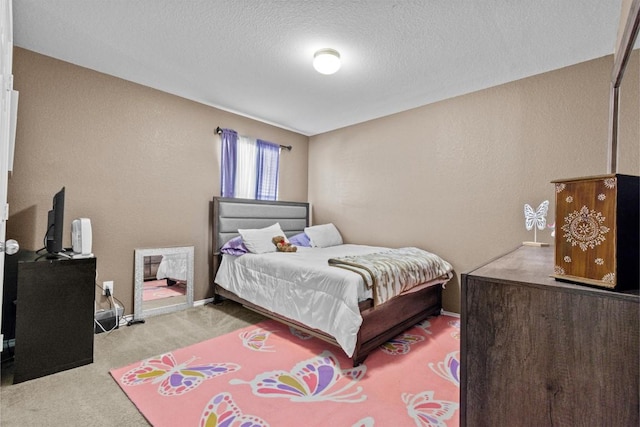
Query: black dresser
48, 308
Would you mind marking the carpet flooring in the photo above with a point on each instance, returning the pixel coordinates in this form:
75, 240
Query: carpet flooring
88, 396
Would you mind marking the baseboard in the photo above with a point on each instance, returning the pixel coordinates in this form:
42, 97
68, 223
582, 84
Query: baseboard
450, 313
202, 302
124, 320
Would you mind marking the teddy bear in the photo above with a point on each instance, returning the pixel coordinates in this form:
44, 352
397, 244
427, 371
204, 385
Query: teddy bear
283, 245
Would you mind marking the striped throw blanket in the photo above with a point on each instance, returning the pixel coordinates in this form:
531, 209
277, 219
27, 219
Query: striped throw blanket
392, 272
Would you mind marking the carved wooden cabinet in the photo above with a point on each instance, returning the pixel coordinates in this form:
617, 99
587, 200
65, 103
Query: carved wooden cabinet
541, 352
597, 231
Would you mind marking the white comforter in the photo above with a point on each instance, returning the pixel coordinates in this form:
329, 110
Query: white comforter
303, 287
173, 266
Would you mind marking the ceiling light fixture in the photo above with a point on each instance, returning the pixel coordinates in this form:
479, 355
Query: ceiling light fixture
326, 61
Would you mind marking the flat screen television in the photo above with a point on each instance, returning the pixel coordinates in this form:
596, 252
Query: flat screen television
55, 223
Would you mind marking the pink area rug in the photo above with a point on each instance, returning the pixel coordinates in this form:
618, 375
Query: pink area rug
268, 375
157, 289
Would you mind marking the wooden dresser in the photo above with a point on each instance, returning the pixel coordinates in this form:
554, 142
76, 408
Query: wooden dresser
540, 352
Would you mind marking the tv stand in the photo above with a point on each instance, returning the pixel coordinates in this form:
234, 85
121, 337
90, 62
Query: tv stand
51, 301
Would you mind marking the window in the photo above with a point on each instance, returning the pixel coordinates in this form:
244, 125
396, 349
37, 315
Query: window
249, 167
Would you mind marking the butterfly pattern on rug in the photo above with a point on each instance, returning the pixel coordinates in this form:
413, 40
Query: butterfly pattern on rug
256, 339
314, 380
449, 369
299, 334
425, 326
455, 324
223, 411
401, 344
365, 422
427, 412
426, 397
175, 379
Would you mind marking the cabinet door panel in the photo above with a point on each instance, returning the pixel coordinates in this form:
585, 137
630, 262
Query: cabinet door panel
54, 317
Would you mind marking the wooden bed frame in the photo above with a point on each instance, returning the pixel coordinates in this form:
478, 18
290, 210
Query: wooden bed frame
379, 324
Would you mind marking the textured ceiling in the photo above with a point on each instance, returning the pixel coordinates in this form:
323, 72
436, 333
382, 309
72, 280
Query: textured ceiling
253, 57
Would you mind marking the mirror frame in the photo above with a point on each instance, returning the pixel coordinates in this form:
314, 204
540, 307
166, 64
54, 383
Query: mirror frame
627, 34
138, 310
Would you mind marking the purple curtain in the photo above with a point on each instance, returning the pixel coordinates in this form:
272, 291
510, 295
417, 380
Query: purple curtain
228, 163
268, 164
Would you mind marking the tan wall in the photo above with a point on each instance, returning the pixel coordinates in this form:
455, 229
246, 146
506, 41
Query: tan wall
143, 165
452, 177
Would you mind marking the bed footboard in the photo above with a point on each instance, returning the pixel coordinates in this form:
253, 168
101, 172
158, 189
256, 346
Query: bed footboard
379, 324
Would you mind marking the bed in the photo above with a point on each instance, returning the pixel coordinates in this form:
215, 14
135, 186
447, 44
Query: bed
366, 324
173, 267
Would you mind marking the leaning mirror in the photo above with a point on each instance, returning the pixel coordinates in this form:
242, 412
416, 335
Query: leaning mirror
163, 280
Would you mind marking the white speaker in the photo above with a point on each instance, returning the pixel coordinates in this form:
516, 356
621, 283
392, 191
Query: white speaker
81, 236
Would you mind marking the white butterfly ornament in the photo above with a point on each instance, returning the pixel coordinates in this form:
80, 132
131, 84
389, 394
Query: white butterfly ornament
536, 220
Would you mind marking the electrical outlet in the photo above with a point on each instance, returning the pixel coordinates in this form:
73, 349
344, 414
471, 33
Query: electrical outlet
107, 285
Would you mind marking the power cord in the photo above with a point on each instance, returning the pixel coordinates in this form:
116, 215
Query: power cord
115, 309
107, 292
102, 327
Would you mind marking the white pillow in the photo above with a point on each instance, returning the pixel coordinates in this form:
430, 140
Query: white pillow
259, 240
323, 236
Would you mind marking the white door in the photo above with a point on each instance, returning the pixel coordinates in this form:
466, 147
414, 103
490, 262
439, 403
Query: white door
6, 137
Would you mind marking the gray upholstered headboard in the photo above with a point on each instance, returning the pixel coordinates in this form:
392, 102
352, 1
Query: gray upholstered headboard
229, 214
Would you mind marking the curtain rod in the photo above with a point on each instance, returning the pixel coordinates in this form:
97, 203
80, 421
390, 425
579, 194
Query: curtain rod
284, 147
